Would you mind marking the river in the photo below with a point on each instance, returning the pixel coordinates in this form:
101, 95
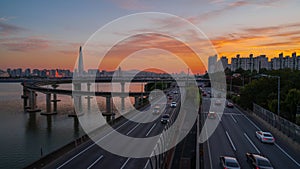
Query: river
25, 137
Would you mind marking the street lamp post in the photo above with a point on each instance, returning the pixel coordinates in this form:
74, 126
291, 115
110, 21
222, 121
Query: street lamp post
278, 107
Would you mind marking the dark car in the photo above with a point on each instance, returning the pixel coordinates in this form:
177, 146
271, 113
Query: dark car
258, 161
229, 105
165, 118
229, 162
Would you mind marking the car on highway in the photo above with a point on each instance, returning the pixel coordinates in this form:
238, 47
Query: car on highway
204, 94
227, 162
211, 115
173, 105
229, 105
175, 92
156, 110
170, 97
265, 137
165, 118
258, 161
218, 102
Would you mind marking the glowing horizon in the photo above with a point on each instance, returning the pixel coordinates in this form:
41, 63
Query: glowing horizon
27, 40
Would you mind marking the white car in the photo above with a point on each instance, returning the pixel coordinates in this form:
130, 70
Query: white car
218, 102
265, 137
211, 115
173, 104
156, 110
229, 162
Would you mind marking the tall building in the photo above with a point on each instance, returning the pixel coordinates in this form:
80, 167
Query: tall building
261, 62
280, 60
224, 61
235, 62
212, 63
80, 63
27, 72
294, 61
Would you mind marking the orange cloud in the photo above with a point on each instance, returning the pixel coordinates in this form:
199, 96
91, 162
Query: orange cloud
269, 40
136, 43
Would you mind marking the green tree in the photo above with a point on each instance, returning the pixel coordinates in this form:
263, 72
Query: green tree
259, 91
291, 102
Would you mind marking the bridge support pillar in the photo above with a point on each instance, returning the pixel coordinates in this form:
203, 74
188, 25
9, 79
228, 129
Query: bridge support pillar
122, 97
55, 100
136, 101
48, 102
32, 102
108, 114
89, 97
25, 98
77, 99
108, 105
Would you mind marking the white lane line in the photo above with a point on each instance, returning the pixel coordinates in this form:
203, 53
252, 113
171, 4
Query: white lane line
232, 145
287, 155
94, 143
208, 147
148, 161
252, 123
233, 118
125, 163
95, 162
251, 143
133, 128
249, 120
218, 117
151, 129
275, 143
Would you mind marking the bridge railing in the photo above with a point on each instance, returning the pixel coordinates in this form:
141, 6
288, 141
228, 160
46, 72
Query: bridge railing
288, 128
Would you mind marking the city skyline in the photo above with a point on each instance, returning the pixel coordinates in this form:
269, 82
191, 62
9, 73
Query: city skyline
252, 62
31, 36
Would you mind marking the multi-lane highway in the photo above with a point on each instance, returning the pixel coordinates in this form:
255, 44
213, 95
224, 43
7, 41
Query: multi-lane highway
235, 136
90, 155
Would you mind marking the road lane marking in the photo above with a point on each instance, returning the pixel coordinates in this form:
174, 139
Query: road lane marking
252, 123
287, 155
209, 153
218, 117
95, 162
233, 118
133, 128
151, 129
249, 120
125, 163
232, 145
251, 143
94, 143
291, 158
148, 161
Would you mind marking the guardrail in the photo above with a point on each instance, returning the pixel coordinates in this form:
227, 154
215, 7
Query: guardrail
288, 128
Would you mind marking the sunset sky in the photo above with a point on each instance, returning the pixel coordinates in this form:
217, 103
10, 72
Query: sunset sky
47, 34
